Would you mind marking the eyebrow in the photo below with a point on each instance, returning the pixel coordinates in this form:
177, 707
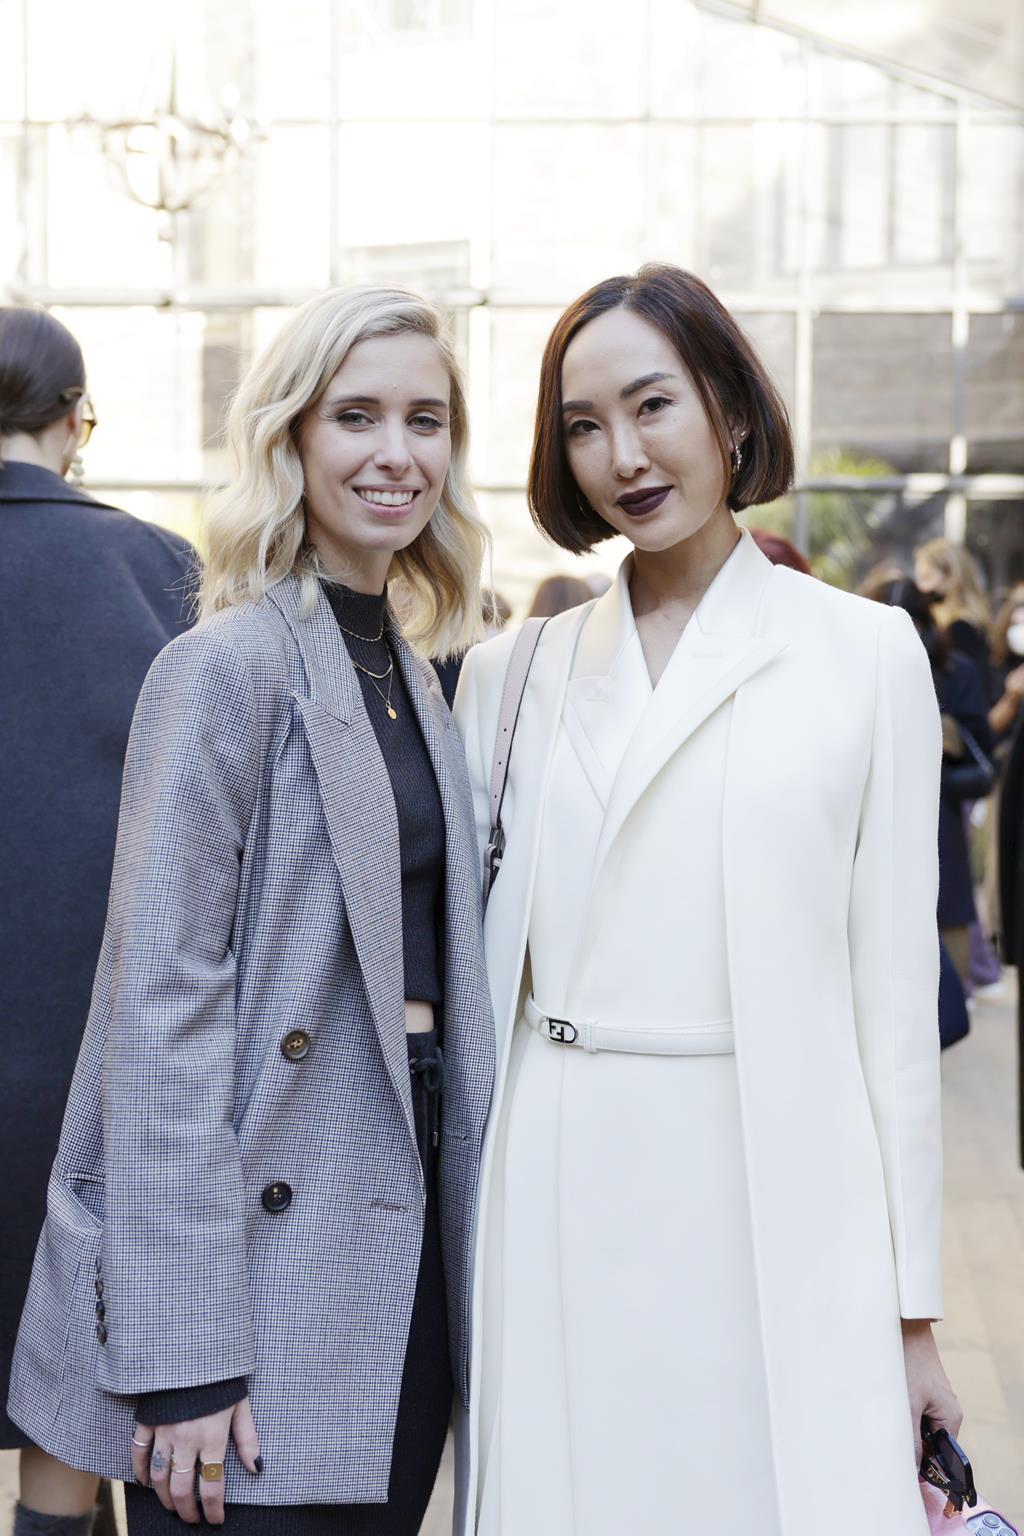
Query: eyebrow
442, 405
624, 394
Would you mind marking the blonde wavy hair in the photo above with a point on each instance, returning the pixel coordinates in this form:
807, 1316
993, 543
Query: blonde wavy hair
253, 533
963, 597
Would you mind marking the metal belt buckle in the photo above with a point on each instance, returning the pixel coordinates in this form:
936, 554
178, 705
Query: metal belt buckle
562, 1032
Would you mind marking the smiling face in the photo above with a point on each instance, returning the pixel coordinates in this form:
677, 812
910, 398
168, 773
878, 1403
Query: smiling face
375, 451
637, 437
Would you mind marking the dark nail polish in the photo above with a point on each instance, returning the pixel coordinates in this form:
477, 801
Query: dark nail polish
258, 1463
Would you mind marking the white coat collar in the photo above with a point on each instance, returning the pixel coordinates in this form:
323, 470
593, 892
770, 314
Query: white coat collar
719, 650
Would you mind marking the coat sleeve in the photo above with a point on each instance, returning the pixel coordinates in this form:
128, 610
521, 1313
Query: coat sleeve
176, 1292
894, 957
466, 712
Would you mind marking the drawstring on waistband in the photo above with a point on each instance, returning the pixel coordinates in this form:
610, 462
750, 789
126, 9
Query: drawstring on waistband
426, 1070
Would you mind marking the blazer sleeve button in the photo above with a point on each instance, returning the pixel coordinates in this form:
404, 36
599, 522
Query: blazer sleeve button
101, 1333
295, 1045
277, 1197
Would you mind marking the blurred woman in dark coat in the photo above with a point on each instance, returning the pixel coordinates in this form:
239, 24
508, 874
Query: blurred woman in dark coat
88, 596
967, 770
1011, 888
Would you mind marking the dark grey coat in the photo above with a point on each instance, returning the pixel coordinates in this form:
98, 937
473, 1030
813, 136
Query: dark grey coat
88, 596
246, 1213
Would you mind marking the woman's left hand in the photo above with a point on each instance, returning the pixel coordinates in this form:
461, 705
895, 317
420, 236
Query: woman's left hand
931, 1396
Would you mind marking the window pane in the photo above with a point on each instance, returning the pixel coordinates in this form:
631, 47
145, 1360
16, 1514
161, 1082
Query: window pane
847, 85
266, 222
774, 337
84, 192
883, 215
12, 103
883, 388
419, 72
552, 63
289, 49
517, 341
386, 24
748, 197
995, 394
10, 227
712, 66
70, 73
568, 206
993, 172
922, 197
391, 178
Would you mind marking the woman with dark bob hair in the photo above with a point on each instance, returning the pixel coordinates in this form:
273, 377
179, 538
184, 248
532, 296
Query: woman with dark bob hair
709, 1222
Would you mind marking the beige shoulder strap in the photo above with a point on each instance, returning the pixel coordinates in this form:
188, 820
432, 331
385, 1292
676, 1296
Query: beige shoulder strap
511, 701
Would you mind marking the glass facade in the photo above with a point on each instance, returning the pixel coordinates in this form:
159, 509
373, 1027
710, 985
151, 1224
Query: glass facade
863, 219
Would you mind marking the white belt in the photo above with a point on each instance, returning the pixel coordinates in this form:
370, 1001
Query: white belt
673, 1040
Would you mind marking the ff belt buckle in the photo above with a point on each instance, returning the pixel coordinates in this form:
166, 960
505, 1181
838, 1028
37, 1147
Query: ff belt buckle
562, 1032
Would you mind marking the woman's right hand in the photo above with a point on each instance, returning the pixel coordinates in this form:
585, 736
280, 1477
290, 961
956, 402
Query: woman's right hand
165, 1458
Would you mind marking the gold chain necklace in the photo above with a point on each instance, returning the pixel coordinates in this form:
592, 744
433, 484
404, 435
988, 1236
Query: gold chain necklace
374, 677
366, 639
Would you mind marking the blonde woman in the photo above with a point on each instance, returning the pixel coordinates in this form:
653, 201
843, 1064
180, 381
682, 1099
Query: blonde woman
947, 574
250, 1291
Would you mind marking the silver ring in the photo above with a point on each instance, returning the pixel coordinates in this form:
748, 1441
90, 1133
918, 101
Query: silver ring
143, 1445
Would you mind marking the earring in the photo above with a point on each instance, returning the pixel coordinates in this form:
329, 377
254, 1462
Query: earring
737, 457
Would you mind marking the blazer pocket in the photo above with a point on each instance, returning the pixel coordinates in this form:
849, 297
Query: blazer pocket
89, 1191
59, 1337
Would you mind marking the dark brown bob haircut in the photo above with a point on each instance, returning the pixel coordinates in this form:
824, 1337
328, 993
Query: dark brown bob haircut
730, 378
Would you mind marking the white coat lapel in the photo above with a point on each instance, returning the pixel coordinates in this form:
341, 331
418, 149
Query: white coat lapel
609, 689
719, 651
362, 823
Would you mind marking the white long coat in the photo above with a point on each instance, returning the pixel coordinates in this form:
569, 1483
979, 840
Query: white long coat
830, 876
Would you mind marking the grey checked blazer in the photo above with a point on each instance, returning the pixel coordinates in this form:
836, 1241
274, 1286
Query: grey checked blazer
256, 891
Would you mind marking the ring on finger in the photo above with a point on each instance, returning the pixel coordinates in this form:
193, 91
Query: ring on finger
189, 1466
211, 1471
143, 1445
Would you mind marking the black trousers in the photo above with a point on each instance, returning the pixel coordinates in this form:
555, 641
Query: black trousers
424, 1406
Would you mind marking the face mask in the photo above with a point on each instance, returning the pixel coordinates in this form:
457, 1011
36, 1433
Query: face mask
1015, 639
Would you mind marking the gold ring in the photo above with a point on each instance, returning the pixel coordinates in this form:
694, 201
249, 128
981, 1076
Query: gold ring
189, 1467
211, 1471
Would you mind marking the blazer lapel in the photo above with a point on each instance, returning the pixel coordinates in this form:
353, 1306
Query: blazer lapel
467, 1017
362, 823
718, 652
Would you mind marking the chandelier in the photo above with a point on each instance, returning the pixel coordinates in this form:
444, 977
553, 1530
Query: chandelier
168, 159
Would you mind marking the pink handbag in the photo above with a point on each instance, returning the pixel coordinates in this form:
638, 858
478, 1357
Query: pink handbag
982, 1520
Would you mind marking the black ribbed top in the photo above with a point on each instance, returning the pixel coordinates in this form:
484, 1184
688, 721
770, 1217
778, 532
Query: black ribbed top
421, 832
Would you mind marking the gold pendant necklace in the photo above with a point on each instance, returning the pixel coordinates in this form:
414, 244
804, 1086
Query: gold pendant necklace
374, 677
